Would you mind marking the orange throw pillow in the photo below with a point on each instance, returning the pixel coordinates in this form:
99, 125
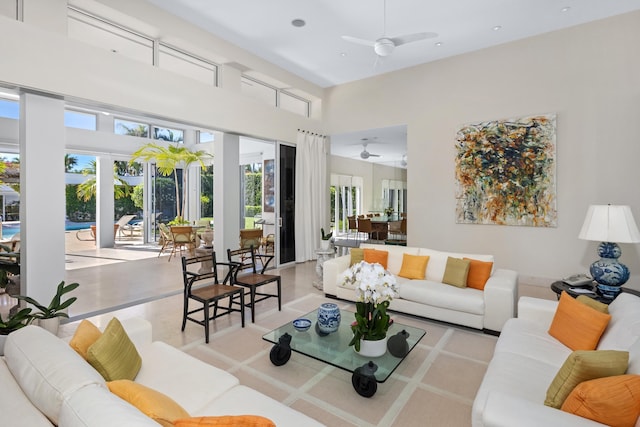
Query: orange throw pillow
577, 325
373, 255
225, 421
86, 334
413, 266
614, 401
479, 273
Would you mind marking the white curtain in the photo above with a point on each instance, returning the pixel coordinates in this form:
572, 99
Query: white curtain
312, 194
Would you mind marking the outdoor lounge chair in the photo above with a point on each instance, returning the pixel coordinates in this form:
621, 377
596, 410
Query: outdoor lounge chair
123, 225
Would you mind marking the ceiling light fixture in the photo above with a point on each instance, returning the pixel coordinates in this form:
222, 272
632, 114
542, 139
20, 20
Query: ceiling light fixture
497, 28
565, 9
298, 23
438, 44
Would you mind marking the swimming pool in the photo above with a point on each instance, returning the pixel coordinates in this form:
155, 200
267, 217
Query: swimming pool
12, 227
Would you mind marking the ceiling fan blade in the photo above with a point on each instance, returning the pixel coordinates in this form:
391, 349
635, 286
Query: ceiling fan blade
374, 155
359, 41
408, 38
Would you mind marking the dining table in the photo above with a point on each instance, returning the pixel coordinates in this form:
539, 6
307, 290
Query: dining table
380, 225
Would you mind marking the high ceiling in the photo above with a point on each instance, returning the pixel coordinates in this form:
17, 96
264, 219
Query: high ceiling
317, 52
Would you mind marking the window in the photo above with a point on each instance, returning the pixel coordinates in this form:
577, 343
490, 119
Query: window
169, 135
346, 199
76, 119
124, 127
102, 33
187, 65
9, 109
258, 90
294, 104
205, 136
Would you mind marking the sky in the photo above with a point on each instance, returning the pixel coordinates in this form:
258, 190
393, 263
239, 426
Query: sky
11, 109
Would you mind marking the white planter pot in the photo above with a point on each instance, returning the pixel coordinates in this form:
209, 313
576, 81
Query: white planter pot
50, 325
325, 244
3, 338
372, 348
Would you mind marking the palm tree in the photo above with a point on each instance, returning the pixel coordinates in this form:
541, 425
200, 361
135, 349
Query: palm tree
69, 162
167, 159
88, 188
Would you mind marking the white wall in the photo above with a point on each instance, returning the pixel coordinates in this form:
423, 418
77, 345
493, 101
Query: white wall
588, 75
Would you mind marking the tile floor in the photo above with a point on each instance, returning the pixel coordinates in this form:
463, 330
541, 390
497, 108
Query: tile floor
435, 385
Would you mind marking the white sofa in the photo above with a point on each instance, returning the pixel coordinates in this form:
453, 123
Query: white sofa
430, 298
527, 359
44, 382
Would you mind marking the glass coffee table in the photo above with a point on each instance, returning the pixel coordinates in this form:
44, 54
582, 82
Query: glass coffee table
335, 350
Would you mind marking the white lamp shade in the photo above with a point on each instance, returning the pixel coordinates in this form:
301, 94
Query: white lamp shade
610, 223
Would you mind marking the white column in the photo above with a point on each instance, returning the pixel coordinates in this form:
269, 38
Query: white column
226, 193
42, 196
104, 201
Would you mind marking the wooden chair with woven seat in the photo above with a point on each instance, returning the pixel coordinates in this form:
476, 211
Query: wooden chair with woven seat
206, 289
166, 238
247, 275
184, 237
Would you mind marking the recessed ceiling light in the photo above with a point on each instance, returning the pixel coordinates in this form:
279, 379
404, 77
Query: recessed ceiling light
298, 23
497, 28
438, 44
343, 54
565, 9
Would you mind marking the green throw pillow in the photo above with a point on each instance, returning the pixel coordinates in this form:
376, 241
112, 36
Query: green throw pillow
596, 305
357, 255
456, 272
584, 365
113, 355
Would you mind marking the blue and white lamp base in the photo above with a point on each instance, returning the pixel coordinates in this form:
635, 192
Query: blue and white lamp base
608, 272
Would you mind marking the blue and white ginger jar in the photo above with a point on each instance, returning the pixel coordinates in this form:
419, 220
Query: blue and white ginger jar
328, 317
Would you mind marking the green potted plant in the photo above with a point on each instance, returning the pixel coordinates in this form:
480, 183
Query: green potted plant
48, 317
12, 323
326, 238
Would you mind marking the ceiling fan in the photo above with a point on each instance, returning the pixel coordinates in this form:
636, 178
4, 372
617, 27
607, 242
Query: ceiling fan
384, 45
365, 154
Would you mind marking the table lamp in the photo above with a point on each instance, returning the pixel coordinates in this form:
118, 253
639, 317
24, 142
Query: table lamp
610, 225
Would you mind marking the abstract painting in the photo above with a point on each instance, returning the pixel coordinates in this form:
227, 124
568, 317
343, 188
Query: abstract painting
505, 172
268, 186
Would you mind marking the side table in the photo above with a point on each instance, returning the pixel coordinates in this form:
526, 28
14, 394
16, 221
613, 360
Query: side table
323, 255
559, 286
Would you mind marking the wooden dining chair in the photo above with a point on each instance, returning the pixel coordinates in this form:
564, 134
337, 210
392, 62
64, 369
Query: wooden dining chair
353, 225
252, 277
364, 226
205, 289
184, 237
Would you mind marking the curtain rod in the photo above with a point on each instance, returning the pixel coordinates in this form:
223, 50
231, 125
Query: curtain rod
311, 133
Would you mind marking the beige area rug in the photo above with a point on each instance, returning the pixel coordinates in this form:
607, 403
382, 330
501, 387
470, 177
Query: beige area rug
434, 386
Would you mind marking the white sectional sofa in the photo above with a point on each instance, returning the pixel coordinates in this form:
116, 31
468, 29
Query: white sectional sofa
44, 382
527, 359
430, 298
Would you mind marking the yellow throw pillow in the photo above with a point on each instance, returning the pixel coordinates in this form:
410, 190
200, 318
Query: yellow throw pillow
413, 266
357, 255
479, 273
373, 256
158, 406
597, 305
584, 365
576, 325
86, 334
614, 401
456, 272
113, 355
225, 421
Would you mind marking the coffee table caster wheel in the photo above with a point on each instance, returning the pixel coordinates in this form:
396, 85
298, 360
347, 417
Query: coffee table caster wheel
281, 352
363, 380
